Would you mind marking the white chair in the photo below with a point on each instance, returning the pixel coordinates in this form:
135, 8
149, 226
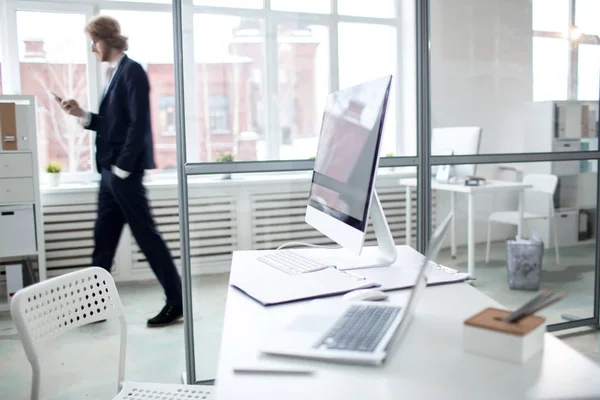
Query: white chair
49, 309
541, 183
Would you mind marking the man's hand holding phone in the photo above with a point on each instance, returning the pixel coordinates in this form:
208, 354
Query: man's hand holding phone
70, 106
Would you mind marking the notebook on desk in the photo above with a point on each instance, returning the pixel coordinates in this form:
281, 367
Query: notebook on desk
270, 286
404, 276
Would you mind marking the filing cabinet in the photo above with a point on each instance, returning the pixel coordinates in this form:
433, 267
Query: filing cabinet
16, 190
17, 165
566, 168
21, 218
17, 236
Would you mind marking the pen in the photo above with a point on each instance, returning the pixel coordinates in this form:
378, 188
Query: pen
272, 370
525, 307
539, 302
548, 303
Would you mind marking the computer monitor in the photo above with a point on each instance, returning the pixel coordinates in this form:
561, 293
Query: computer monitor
460, 140
342, 194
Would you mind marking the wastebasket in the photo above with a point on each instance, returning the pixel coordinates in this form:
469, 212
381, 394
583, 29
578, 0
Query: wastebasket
524, 263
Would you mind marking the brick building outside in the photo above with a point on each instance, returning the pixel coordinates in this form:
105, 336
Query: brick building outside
229, 102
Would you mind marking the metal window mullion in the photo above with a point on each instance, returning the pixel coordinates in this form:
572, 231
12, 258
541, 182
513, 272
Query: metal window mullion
550, 35
423, 126
184, 241
596, 312
579, 323
240, 167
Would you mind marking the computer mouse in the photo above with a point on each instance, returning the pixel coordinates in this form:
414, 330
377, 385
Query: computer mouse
366, 295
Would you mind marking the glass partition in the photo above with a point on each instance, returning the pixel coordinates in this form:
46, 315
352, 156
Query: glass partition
559, 206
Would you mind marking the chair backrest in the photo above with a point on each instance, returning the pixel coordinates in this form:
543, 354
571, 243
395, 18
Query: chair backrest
541, 182
48, 309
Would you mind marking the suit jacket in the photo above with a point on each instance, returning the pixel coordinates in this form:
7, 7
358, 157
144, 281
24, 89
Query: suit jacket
122, 124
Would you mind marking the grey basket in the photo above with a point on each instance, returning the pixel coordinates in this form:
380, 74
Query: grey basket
524, 264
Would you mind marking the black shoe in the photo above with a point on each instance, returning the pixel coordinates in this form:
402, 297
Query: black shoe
167, 316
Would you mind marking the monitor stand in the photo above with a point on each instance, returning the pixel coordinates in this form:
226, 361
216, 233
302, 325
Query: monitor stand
383, 255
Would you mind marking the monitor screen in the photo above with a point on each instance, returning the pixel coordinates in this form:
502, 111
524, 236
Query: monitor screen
348, 151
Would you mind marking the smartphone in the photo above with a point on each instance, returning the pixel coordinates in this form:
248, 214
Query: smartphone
60, 99
57, 97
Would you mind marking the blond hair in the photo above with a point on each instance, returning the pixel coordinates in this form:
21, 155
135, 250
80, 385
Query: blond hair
107, 29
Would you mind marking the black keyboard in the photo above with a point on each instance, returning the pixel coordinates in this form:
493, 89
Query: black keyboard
360, 328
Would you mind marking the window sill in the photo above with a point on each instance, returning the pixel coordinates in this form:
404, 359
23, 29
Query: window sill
165, 182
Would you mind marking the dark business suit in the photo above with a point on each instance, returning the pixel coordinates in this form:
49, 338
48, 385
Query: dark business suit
124, 139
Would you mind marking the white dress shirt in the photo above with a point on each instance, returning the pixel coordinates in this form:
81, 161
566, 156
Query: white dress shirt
87, 118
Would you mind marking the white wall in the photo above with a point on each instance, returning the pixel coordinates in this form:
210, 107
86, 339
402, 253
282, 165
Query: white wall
481, 75
481, 68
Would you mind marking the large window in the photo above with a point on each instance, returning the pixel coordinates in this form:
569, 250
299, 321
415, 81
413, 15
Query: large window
365, 61
230, 3
566, 60
166, 112
1, 42
372, 8
309, 6
588, 85
551, 15
550, 68
303, 85
55, 60
256, 80
586, 16
151, 44
229, 69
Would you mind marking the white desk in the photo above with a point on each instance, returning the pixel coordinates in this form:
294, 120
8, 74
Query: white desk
428, 363
471, 191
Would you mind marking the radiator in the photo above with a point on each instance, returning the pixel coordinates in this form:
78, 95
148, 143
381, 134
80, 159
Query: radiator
213, 231
223, 218
69, 236
279, 218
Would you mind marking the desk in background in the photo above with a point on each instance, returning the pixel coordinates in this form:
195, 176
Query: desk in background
470, 191
428, 363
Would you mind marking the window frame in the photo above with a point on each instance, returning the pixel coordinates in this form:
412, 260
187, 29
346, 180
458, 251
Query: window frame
271, 19
574, 43
92, 66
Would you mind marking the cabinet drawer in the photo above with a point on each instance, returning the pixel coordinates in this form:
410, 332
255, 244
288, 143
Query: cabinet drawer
567, 145
16, 190
15, 165
17, 236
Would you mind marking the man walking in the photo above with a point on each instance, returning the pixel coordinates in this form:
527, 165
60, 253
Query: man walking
124, 151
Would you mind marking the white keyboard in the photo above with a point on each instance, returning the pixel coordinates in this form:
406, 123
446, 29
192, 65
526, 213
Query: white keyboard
291, 262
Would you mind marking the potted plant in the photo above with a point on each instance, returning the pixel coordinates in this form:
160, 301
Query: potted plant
53, 172
226, 157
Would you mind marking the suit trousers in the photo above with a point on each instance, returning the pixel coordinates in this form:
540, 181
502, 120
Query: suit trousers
124, 201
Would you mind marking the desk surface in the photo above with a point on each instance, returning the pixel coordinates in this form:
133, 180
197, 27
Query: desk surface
428, 363
489, 186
